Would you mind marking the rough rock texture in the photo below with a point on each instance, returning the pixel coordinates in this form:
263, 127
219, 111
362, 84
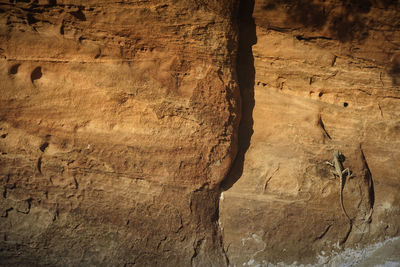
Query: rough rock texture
315, 76
118, 122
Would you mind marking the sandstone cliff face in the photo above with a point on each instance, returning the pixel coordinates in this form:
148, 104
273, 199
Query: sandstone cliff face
318, 76
119, 121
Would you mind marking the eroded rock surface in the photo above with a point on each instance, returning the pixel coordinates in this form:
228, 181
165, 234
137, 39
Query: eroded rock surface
118, 122
316, 76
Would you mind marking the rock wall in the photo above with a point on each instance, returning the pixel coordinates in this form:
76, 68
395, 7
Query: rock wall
119, 126
118, 122
316, 76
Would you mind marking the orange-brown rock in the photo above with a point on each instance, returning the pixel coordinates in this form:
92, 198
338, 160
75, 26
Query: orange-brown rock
118, 122
317, 76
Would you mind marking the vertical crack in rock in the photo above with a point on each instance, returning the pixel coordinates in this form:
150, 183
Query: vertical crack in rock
246, 75
245, 72
140, 100
298, 47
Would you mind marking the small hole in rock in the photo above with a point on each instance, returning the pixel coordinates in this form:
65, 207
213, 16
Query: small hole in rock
4, 136
320, 94
14, 69
36, 74
345, 104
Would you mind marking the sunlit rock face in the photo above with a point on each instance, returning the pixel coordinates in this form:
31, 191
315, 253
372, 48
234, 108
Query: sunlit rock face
118, 121
315, 77
120, 142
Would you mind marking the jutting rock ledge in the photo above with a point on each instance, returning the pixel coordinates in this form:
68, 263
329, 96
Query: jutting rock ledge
195, 132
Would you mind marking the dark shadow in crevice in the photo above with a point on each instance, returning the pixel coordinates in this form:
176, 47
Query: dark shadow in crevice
246, 75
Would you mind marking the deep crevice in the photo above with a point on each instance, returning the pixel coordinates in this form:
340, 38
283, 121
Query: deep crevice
246, 79
245, 71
